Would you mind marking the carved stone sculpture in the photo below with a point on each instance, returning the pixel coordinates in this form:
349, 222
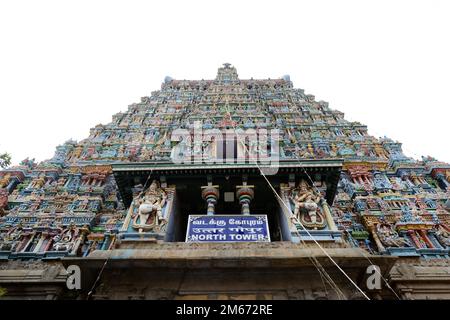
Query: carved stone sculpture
443, 235
306, 206
151, 204
389, 237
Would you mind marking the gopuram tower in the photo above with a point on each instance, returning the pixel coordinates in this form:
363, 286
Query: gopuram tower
226, 189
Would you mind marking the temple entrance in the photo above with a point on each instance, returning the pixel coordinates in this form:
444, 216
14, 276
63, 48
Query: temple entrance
190, 202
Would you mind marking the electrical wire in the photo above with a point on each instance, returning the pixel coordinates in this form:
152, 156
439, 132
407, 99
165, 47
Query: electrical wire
299, 222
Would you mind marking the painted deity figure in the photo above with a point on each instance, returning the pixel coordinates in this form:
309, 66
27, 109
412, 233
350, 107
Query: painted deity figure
380, 181
5, 180
151, 203
396, 184
65, 240
38, 182
76, 153
443, 235
389, 237
146, 153
10, 240
306, 206
3, 199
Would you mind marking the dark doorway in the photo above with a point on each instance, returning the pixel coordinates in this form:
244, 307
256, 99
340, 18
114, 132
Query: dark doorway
190, 202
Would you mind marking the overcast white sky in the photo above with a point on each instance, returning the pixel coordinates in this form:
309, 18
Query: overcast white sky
66, 66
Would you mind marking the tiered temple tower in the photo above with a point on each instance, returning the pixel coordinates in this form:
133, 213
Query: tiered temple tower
123, 201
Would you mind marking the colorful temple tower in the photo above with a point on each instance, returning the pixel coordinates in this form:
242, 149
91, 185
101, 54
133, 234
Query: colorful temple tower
227, 189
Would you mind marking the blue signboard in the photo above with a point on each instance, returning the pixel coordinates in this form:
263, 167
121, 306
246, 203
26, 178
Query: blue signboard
227, 228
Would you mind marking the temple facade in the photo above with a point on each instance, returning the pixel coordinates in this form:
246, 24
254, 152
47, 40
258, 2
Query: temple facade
227, 189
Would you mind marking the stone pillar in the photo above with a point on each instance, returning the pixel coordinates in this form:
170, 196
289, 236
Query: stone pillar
380, 246
49, 243
427, 240
27, 242
105, 241
328, 215
210, 194
413, 236
39, 244
79, 241
245, 195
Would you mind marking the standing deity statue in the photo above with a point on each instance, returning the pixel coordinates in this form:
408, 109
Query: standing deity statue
151, 203
38, 182
306, 206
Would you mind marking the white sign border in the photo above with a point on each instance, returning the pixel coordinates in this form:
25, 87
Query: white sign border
228, 215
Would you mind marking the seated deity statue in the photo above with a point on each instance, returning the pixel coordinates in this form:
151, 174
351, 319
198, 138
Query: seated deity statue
389, 237
306, 207
151, 203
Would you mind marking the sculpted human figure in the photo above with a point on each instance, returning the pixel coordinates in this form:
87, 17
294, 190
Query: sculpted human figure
11, 239
76, 153
146, 153
65, 240
443, 235
150, 208
390, 237
39, 182
305, 198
